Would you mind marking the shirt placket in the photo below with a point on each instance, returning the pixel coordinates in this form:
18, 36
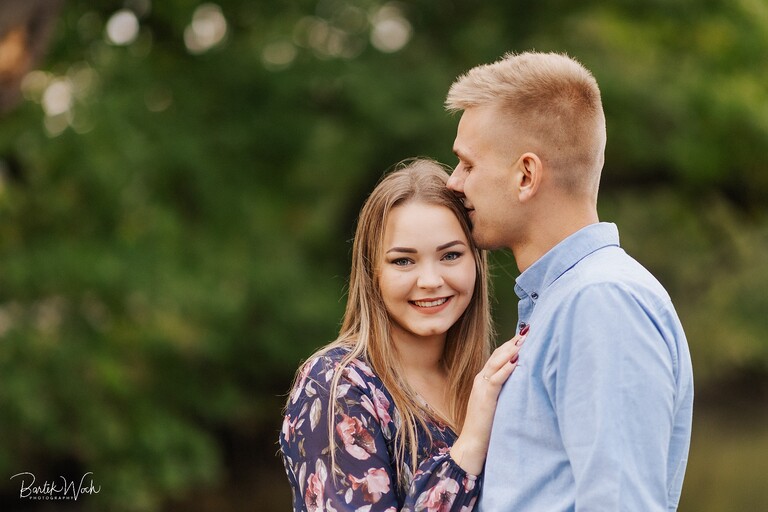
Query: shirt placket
524, 308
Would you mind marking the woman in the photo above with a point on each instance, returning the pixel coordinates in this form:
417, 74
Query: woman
373, 417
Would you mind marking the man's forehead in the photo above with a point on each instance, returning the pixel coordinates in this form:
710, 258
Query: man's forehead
460, 142
469, 134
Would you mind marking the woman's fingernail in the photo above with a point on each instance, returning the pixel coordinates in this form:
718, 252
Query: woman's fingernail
524, 330
514, 359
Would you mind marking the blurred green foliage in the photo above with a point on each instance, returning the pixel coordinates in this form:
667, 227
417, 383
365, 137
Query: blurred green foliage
178, 240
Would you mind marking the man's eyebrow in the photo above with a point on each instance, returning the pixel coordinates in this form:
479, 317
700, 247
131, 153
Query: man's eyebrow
409, 250
449, 244
463, 155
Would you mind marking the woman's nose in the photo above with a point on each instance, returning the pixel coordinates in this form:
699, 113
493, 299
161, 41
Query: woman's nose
430, 277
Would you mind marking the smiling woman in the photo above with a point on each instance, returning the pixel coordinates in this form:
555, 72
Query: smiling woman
397, 410
428, 274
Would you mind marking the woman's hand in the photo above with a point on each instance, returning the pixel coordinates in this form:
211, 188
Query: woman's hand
471, 447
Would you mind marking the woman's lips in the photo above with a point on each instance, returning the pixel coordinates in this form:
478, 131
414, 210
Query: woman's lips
430, 305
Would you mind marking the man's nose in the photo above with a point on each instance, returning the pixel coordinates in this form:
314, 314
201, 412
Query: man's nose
456, 181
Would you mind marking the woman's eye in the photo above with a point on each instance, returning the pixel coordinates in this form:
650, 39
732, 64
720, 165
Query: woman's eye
401, 262
451, 256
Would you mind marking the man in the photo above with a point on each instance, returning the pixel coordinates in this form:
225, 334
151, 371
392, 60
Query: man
598, 414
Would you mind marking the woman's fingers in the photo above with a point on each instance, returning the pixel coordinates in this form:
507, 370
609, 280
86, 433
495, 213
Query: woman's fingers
502, 362
505, 353
503, 373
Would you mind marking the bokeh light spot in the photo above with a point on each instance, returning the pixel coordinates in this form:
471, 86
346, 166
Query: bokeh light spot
207, 29
57, 98
34, 84
278, 55
122, 28
390, 31
55, 125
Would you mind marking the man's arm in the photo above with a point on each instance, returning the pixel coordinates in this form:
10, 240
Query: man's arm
614, 396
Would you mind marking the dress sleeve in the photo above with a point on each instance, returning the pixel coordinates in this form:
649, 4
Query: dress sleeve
365, 479
441, 485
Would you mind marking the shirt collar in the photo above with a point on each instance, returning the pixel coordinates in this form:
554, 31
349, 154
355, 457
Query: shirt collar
563, 256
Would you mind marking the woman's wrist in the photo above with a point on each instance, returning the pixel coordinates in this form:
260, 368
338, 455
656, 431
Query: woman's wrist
468, 455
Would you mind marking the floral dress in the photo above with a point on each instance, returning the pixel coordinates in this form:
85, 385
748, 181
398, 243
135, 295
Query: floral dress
365, 424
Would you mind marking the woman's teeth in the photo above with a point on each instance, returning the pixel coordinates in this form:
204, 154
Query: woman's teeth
431, 303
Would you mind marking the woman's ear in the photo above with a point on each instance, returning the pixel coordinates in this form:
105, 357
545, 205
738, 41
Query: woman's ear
530, 168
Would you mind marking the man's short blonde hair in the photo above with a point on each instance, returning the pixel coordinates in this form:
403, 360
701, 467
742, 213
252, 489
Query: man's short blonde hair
553, 101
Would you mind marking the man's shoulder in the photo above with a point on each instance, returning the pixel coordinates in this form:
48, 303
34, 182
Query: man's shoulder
613, 268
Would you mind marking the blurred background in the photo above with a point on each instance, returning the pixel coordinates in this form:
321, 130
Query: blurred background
179, 183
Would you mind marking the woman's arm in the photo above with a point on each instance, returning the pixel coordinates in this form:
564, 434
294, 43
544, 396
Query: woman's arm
470, 449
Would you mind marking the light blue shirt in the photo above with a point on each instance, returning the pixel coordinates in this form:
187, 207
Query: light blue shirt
597, 416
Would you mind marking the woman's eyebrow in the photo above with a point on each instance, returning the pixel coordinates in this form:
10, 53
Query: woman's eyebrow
409, 250
449, 244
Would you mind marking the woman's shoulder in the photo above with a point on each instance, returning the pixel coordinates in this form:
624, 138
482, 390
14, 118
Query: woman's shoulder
319, 371
356, 368
334, 359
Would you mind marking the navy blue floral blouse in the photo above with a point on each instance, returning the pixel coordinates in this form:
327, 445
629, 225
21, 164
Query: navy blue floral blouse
365, 424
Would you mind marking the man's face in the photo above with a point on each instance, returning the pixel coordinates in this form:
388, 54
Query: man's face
485, 177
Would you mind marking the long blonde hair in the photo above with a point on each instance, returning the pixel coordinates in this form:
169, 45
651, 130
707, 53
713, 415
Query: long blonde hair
365, 329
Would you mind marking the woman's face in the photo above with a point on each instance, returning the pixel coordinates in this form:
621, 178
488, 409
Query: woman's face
427, 271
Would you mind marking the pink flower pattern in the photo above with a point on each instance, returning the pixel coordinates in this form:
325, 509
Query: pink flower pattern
439, 498
315, 494
357, 440
377, 404
373, 484
363, 428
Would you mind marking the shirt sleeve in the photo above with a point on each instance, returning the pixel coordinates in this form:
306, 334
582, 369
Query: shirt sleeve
365, 479
613, 391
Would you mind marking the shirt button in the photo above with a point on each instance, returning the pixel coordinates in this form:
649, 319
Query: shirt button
522, 325
534, 295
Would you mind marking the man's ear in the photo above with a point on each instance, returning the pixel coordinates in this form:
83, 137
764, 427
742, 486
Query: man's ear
531, 170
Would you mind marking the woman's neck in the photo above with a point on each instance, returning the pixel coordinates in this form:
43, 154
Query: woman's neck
421, 359
419, 354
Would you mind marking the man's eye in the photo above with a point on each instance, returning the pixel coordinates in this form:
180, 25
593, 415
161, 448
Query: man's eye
462, 166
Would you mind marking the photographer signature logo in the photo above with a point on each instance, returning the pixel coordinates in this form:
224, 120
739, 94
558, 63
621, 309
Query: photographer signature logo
58, 489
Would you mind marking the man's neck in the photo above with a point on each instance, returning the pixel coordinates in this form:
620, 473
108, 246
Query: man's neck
550, 231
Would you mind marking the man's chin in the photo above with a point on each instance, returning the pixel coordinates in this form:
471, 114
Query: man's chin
483, 243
